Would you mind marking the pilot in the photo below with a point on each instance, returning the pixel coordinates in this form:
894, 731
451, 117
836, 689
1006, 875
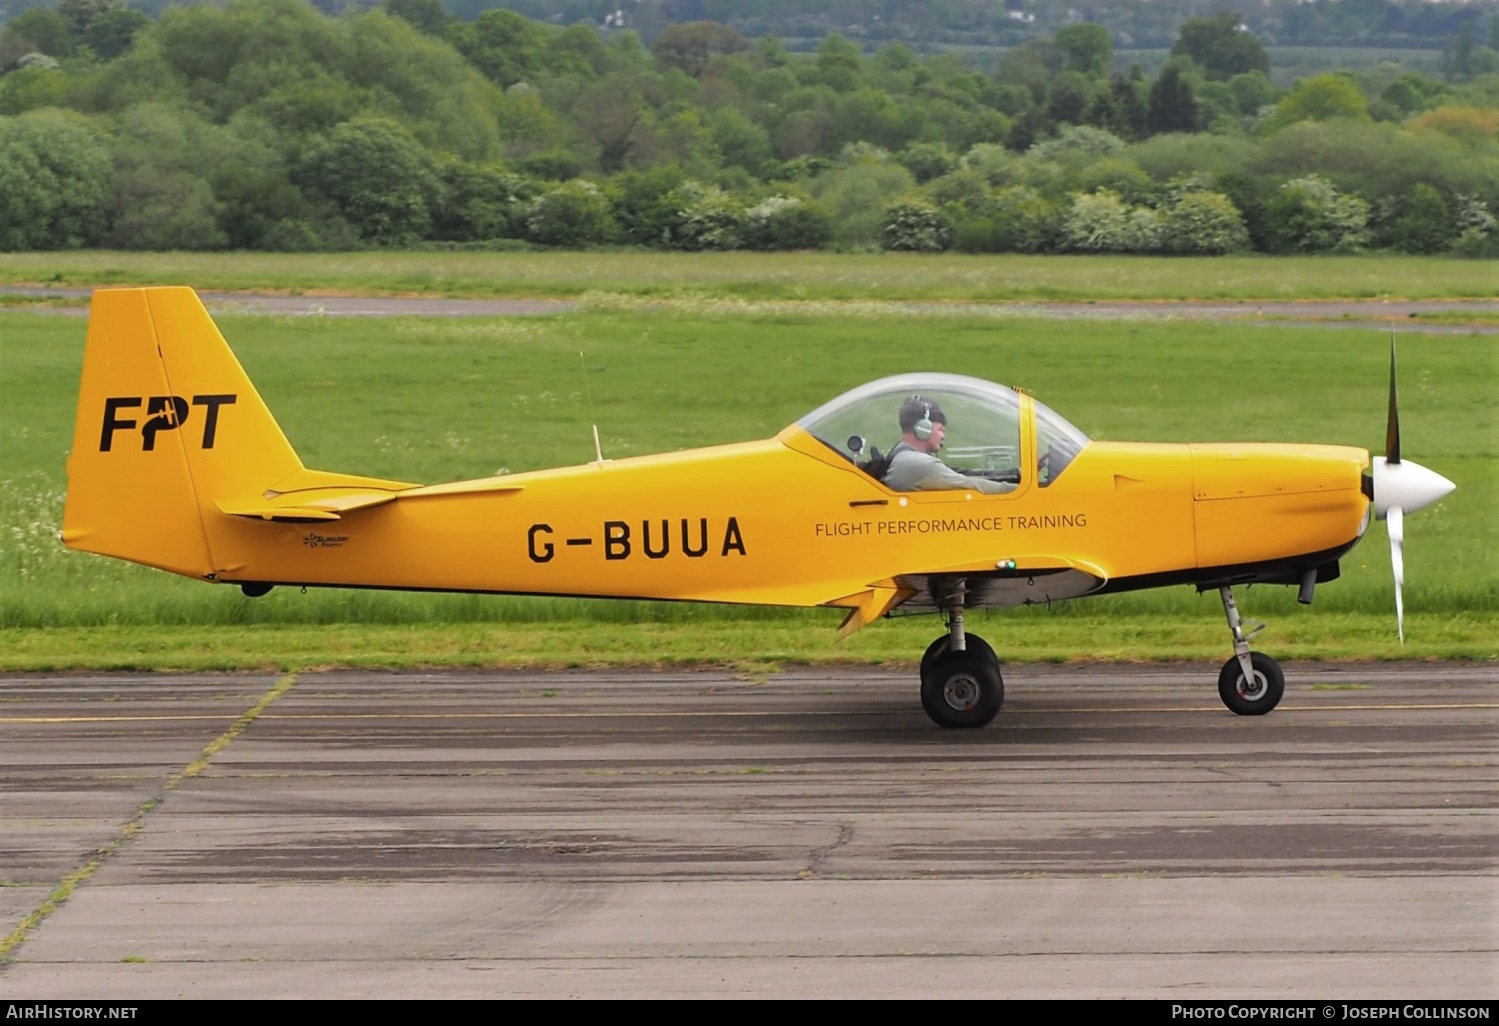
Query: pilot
914, 465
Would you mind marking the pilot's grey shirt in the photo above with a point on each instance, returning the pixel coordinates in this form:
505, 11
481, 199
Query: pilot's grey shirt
912, 471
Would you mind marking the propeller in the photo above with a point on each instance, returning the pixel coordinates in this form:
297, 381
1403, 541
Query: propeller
1401, 487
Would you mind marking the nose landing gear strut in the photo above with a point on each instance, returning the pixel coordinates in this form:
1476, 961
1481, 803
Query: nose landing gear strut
1251, 683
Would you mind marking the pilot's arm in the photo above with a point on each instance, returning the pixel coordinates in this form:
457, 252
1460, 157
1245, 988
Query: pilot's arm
912, 471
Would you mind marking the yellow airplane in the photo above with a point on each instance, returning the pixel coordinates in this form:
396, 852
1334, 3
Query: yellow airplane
178, 464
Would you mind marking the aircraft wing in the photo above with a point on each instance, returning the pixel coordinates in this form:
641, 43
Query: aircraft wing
1024, 581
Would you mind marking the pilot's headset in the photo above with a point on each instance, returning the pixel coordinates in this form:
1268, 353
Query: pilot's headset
922, 429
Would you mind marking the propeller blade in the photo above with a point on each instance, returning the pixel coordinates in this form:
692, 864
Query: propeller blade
1395, 521
1392, 425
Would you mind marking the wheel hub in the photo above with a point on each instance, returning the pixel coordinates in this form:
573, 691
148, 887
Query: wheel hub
961, 692
1253, 690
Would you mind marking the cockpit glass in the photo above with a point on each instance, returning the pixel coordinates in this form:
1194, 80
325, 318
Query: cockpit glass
982, 422
982, 426
1057, 442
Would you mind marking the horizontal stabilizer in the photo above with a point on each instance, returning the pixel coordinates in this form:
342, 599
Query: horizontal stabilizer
489, 485
308, 504
330, 503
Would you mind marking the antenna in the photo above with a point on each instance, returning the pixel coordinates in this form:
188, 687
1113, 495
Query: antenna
598, 450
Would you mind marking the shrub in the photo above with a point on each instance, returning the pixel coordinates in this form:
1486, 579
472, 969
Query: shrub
1475, 226
480, 202
992, 161
966, 189
1205, 223
857, 197
1079, 139
787, 222
915, 226
1309, 215
702, 217
1144, 231
1420, 223
1096, 222
926, 161
1024, 221
574, 213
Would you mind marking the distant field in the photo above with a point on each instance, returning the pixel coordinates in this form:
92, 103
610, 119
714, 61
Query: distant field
773, 275
430, 401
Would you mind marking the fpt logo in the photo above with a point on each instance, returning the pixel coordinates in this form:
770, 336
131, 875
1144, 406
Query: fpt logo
163, 413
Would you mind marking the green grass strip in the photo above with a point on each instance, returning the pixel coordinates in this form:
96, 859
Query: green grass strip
1020, 636
82, 874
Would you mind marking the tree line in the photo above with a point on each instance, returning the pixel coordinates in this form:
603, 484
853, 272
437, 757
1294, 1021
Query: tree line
933, 24
267, 124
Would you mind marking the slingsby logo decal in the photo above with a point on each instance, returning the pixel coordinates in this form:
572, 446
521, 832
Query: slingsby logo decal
655, 540
163, 413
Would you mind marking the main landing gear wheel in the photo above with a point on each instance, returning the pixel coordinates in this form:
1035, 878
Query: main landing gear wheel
972, 642
1250, 698
962, 689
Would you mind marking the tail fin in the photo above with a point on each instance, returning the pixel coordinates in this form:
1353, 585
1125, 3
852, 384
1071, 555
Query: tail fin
168, 423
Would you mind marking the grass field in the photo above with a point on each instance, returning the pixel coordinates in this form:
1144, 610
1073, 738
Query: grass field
953, 277
431, 400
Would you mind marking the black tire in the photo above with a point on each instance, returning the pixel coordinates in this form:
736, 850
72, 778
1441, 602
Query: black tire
972, 642
1256, 700
963, 689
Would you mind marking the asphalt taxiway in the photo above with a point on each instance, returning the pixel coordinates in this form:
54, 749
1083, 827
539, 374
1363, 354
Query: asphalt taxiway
1115, 833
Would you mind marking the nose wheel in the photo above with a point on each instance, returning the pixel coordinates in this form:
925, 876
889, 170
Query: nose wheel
1256, 694
1251, 683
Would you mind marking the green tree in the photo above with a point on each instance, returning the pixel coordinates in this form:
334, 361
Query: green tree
608, 114
504, 46
1173, 104
32, 88
1087, 48
1222, 46
1068, 98
111, 33
377, 176
1320, 98
1130, 110
689, 46
839, 65
1252, 90
37, 30
54, 181
742, 142
81, 13
428, 17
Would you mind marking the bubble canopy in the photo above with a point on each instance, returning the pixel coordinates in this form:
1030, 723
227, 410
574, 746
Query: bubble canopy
982, 423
